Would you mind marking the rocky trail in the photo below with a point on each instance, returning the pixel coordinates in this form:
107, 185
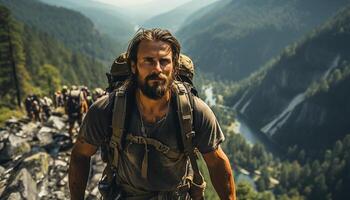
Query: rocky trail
34, 160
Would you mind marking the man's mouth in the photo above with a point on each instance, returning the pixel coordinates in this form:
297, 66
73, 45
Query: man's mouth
156, 77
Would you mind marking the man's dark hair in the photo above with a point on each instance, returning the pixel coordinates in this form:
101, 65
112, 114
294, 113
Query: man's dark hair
154, 34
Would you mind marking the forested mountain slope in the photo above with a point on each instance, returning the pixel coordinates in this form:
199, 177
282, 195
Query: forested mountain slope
42, 62
72, 28
237, 37
108, 19
303, 96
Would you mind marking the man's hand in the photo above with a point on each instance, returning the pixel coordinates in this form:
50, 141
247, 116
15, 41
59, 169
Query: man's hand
79, 168
221, 174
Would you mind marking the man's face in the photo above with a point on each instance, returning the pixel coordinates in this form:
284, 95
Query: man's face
154, 68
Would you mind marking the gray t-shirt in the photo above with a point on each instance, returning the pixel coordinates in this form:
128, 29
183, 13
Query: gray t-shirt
164, 173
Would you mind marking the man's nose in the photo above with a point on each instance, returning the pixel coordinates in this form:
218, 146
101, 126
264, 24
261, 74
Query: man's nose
158, 67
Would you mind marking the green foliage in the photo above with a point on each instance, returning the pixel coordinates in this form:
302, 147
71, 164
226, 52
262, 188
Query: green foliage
235, 38
71, 28
324, 84
6, 113
48, 79
42, 63
299, 176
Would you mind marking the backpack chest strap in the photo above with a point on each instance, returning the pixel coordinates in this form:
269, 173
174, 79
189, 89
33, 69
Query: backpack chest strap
159, 146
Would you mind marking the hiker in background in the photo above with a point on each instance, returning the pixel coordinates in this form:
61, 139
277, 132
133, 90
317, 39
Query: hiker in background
98, 92
64, 93
76, 106
87, 96
58, 99
36, 108
28, 106
46, 104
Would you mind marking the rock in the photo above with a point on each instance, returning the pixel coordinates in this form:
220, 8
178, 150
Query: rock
59, 195
37, 164
63, 182
63, 141
45, 138
29, 129
2, 145
15, 147
56, 122
60, 163
4, 134
2, 171
43, 187
46, 129
13, 120
15, 196
2, 187
24, 183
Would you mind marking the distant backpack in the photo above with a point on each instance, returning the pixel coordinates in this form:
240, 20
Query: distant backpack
74, 103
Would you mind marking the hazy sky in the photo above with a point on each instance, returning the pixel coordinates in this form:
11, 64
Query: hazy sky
124, 2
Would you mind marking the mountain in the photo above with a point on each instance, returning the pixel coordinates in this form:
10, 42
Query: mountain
142, 12
42, 63
173, 19
237, 37
108, 19
72, 28
302, 97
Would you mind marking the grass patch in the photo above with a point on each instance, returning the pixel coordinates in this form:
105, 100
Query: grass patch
6, 113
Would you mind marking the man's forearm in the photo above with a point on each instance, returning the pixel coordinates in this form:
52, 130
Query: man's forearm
78, 175
222, 178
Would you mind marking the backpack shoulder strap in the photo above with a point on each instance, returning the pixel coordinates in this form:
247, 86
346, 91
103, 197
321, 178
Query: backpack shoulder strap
185, 103
118, 124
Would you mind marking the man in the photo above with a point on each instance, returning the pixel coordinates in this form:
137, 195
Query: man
142, 171
76, 106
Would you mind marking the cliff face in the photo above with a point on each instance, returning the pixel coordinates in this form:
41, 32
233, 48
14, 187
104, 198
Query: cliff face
301, 96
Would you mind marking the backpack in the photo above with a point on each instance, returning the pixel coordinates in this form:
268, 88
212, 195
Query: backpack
74, 103
184, 91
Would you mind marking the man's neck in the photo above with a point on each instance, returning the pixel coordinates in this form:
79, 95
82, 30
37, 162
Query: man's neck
152, 110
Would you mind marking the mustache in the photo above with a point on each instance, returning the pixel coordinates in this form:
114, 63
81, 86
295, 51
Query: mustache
155, 76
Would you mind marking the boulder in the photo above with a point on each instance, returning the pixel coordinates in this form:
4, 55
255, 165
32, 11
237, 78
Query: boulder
56, 122
37, 164
14, 147
44, 138
24, 185
15, 196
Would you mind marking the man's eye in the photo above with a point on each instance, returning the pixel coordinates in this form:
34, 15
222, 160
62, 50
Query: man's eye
164, 61
149, 61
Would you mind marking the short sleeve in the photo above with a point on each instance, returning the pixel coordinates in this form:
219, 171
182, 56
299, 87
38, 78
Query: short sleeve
207, 129
96, 125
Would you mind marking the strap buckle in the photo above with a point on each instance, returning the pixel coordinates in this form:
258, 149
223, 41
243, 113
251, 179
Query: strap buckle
190, 134
183, 188
139, 140
162, 148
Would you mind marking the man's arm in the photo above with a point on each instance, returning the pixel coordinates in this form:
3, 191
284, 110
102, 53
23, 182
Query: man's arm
221, 174
79, 168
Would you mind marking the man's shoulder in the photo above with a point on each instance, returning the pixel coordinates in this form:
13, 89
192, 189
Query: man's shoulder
103, 105
200, 106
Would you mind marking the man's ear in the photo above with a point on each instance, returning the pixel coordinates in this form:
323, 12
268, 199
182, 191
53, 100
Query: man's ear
133, 67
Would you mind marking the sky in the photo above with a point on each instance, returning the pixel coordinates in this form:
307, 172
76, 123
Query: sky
124, 2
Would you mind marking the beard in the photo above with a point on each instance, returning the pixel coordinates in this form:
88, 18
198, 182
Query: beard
154, 89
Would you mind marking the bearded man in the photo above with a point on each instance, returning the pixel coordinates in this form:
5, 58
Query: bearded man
143, 172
